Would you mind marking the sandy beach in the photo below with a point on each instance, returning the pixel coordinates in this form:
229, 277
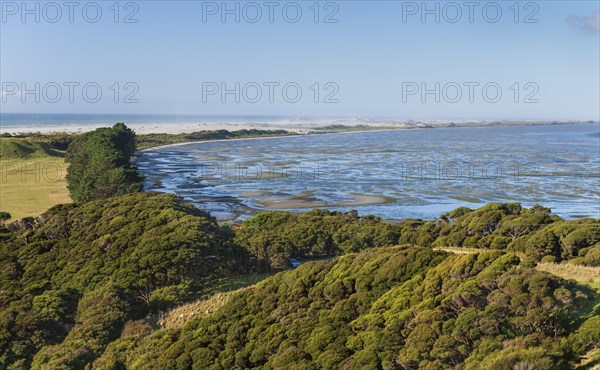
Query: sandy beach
166, 146
292, 125
167, 128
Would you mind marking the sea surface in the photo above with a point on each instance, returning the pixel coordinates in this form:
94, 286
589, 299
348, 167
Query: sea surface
392, 174
15, 121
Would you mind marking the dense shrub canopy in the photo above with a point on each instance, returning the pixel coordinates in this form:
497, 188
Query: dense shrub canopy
85, 285
391, 308
274, 237
83, 270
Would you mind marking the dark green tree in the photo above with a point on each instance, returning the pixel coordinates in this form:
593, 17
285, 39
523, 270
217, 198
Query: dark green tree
4, 216
100, 164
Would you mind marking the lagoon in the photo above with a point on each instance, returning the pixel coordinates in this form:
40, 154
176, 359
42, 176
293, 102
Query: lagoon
396, 174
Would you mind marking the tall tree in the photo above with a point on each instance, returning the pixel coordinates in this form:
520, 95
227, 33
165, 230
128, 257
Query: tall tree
100, 164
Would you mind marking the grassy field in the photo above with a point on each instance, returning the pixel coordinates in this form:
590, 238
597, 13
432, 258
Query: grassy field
30, 186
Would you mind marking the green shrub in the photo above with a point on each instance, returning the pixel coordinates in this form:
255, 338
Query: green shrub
150, 250
100, 164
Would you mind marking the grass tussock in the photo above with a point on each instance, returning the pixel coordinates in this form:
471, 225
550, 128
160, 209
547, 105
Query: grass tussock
217, 295
177, 317
462, 250
583, 274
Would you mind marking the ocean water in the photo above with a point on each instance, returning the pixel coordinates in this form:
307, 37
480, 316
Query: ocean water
14, 121
392, 174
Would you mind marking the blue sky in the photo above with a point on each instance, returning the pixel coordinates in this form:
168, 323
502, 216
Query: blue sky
363, 65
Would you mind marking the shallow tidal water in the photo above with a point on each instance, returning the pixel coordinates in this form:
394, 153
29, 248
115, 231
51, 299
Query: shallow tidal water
392, 174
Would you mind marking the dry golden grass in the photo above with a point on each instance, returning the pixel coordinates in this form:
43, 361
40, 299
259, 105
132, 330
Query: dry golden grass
462, 250
177, 317
28, 187
218, 294
582, 274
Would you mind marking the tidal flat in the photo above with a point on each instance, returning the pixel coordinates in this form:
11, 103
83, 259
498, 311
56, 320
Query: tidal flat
392, 174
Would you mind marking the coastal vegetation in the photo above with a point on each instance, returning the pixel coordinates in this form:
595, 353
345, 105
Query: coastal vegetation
533, 234
150, 140
275, 237
393, 308
33, 167
100, 164
141, 281
74, 275
129, 279
35, 145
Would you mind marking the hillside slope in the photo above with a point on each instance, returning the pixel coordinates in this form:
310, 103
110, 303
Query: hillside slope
535, 233
125, 282
73, 276
391, 308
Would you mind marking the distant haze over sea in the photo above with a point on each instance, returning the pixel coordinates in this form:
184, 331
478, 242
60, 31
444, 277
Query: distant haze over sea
168, 123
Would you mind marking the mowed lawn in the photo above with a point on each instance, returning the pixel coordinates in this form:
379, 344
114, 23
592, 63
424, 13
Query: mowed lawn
28, 187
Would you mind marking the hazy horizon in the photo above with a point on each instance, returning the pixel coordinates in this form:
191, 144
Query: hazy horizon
310, 117
406, 60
